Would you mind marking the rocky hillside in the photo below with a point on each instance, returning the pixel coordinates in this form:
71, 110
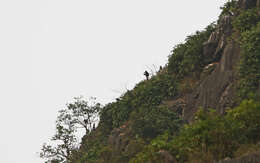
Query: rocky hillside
218, 88
202, 106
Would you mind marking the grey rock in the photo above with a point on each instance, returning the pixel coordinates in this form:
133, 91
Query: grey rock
250, 158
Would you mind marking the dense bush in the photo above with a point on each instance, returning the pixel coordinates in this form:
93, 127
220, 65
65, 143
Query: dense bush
146, 94
149, 123
247, 118
249, 67
187, 58
152, 92
246, 20
210, 137
151, 151
219, 136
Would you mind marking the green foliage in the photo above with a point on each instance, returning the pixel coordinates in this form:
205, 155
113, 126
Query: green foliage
218, 136
155, 128
249, 66
247, 118
211, 134
140, 106
81, 113
187, 58
135, 146
78, 114
228, 7
210, 137
65, 141
246, 20
149, 123
152, 92
146, 94
151, 152
91, 148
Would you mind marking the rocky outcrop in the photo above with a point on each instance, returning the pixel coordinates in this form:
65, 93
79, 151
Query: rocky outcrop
118, 139
176, 105
251, 158
217, 83
216, 90
247, 4
215, 45
166, 157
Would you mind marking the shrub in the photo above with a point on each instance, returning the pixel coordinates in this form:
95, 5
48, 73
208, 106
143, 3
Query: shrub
145, 94
149, 123
151, 151
247, 117
228, 7
215, 137
187, 58
249, 66
246, 20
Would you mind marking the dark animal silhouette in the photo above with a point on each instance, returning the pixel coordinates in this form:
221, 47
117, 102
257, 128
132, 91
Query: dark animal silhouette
160, 68
146, 74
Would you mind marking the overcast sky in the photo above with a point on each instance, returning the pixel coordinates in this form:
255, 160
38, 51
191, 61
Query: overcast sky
54, 50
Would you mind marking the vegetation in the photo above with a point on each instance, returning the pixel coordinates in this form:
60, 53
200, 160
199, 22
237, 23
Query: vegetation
148, 129
211, 137
248, 26
146, 94
152, 122
187, 58
66, 143
81, 114
246, 20
78, 114
228, 7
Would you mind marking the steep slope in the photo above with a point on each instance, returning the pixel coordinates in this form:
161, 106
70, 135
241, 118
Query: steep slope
156, 121
218, 89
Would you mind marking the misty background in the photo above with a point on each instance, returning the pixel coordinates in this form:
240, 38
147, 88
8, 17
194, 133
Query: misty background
54, 50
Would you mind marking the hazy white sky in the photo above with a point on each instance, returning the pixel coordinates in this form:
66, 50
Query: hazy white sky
54, 50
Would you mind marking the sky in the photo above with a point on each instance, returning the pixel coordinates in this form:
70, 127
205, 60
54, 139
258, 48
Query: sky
54, 50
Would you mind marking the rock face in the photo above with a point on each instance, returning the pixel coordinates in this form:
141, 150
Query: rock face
217, 89
251, 158
214, 47
118, 139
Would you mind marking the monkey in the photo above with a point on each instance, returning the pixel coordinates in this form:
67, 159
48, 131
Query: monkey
160, 68
146, 74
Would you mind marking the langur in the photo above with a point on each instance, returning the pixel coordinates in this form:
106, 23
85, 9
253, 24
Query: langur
146, 74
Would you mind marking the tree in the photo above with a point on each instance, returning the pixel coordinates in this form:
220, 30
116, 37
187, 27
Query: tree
78, 114
81, 113
65, 141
